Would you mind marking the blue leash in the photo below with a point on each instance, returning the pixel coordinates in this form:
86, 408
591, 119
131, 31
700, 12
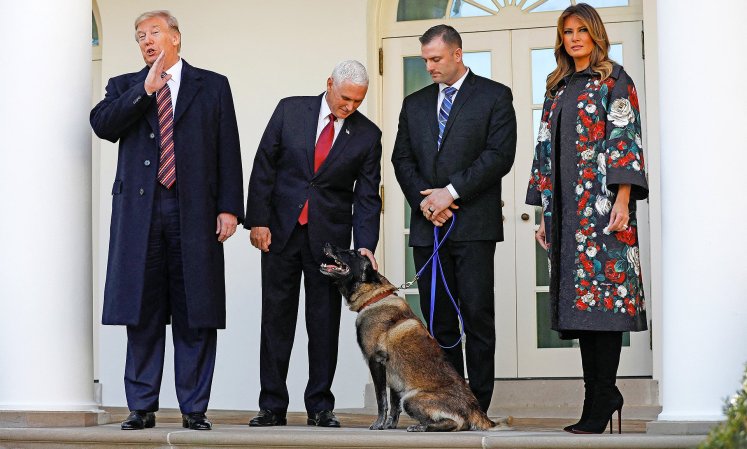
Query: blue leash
435, 269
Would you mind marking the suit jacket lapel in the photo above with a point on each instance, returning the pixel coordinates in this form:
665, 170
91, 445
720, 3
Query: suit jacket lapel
309, 131
337, 147
462, 96
190, 85
151, 115
432, 112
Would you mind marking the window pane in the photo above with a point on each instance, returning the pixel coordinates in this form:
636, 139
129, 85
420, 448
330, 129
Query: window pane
407, 214
415, 76
543, 275
606, 3
543, 62
546, 337
478, 62
420, 9
549, 5
536, 119
464, 9
414, 302
616, 53
94, 32
409, 263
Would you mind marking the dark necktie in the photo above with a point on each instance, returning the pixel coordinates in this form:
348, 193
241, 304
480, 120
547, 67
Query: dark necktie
321, 151
443, 113
166, 161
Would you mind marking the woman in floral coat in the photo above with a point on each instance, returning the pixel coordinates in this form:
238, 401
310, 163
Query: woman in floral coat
587, 174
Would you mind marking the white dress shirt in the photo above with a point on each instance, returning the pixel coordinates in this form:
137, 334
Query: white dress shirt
441, 86
176, 80
324, 112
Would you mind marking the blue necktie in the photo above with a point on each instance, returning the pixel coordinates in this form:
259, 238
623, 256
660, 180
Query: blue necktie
443, 113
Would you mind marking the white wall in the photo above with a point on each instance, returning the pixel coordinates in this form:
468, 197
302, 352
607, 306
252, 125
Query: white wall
268, 50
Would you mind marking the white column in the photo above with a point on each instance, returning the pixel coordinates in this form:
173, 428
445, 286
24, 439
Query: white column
45, 226
703, 159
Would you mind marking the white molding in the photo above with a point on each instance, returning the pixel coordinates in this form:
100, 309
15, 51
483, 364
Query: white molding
509, 18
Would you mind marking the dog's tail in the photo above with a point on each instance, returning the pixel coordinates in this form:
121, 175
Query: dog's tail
480, 421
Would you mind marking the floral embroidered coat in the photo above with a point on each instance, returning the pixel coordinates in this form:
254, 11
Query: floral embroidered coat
606, 149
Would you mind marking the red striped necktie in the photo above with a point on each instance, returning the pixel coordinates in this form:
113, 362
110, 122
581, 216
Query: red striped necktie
167, 160
321, 151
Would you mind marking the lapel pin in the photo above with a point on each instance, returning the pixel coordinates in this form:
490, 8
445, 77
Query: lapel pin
347, 131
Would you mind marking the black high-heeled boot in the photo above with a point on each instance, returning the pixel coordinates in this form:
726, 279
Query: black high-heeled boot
586, 344
607, 397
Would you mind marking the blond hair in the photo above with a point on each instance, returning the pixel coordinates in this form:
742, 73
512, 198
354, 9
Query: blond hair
599, 60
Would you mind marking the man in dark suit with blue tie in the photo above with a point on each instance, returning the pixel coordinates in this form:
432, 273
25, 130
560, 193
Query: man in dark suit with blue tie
177, 197
456, 140
315, 178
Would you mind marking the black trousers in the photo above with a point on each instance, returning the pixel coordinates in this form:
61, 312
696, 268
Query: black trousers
164, 295
281, 284
468, 268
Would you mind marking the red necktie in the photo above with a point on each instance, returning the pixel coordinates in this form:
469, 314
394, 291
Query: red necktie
166, 161
321, 151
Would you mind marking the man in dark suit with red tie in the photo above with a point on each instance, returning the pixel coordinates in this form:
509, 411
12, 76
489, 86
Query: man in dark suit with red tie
315, 178
456, 140
177, 197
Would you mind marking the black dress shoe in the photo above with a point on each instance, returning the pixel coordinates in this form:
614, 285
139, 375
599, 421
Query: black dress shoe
196, 421
325, 418
268, 418
138, 420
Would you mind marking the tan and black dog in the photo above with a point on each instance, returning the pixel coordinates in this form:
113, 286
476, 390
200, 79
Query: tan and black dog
401, 353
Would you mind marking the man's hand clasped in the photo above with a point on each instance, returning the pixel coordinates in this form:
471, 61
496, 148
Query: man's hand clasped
437, 205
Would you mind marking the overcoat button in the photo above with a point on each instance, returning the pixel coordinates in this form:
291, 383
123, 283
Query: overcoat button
146, 163
152, 136
142, 191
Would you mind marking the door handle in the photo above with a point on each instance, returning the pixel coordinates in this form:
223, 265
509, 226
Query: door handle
525, 216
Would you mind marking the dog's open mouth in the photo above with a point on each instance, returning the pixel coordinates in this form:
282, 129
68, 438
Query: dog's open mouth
337, 268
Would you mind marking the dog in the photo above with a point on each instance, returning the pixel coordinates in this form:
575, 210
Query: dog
401, 354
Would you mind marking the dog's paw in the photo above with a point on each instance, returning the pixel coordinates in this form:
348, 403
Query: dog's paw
391, 423
416, 428
377, 425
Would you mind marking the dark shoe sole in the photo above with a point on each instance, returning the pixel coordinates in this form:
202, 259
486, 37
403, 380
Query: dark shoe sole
279, 423
147, 426
312, 422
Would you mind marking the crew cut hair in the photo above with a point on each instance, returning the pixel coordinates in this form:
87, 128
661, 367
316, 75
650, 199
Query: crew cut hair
352, 71
165, 15
447, 33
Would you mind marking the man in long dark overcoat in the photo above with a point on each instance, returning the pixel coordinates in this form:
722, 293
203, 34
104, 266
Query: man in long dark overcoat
177, 196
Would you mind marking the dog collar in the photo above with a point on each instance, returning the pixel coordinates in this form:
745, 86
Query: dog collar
377, 298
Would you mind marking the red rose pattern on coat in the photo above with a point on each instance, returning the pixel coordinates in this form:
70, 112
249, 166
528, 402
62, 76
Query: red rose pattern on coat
607, 274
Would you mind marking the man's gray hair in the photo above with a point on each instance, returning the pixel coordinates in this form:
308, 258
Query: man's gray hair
352, 71
165, 15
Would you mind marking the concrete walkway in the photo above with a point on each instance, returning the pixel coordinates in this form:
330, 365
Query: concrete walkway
169, 435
